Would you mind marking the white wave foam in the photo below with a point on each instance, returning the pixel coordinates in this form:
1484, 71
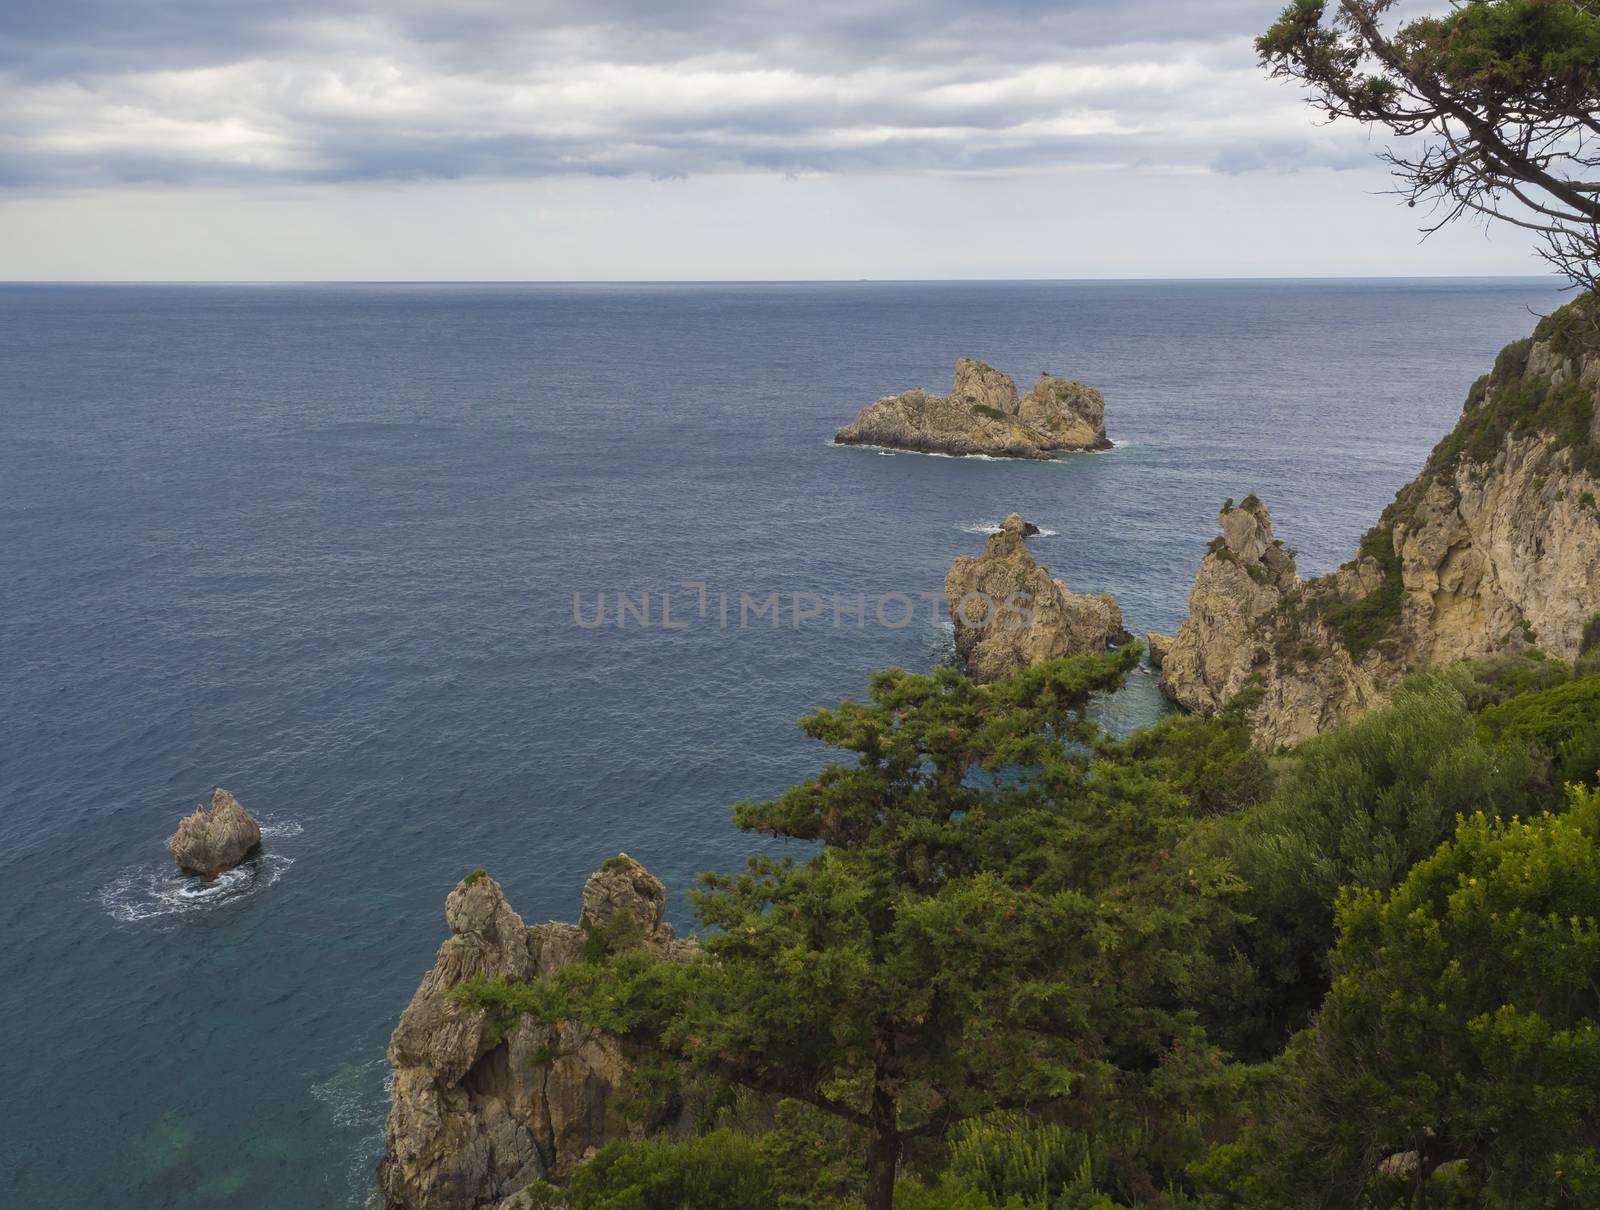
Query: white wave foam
358, 1100
884, 449
993, 527
152, 891
279, 829
358, 1093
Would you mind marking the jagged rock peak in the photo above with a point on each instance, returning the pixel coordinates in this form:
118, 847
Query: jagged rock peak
1245, 621
216, 839
1009, 613
482, 1108
1015, 524
984, 415
624, 888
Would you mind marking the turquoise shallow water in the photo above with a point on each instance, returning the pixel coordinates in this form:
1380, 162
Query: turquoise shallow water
319, 545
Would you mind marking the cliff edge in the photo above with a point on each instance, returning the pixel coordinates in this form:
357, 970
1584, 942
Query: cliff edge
1495, 546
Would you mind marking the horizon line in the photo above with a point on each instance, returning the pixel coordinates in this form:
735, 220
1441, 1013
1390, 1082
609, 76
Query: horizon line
766, 281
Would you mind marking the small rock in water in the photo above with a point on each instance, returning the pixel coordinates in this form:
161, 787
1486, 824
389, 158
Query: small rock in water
215, 839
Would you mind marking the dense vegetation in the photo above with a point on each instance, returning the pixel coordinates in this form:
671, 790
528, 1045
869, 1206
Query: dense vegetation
1021, 965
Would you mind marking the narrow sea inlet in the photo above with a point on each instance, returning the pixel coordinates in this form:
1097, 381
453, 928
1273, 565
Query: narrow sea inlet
321, 545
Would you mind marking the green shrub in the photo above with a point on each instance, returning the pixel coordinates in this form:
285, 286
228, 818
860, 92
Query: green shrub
1488, 682
817, 1159
1362, 623
1563, 723
983, 409
724, 1170
1361, 805
1591, 636
1009, 1154
1463, 1023
953, 1195
1208, 758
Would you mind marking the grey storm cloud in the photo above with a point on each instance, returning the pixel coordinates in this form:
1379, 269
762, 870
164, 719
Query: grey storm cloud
219, 91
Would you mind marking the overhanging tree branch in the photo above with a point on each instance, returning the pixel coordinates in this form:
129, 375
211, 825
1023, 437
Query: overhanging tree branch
1504, 93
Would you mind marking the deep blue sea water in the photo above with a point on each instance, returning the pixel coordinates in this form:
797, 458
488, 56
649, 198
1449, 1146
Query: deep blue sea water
319, 545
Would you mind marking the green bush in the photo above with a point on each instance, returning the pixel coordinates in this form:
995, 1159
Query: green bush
1490, 681
1208, 758
1360, 807
1563, 723
1363, 622
724, 1170
1463, 1026
952, 1195
1591, 636
983, 409
1011, 1155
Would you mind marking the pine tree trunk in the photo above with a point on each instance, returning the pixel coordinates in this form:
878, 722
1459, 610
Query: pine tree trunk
883, 1157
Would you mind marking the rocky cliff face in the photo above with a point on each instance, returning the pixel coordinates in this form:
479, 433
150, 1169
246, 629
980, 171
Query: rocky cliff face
1008, 612
477, 1114
1246, 625
984, 415
1494, 546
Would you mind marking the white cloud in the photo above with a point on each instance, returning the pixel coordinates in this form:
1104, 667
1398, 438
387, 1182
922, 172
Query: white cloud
363, 96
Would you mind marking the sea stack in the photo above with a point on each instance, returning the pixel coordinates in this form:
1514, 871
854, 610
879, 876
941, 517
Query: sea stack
216, 839
480, 1107
1009, 613
984, 415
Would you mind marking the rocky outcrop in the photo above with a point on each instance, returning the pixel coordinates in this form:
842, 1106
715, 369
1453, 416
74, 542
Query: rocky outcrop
984, 415
1493, 547
479, 1110
1157, 645
1008, 612
1246, 626
215, 839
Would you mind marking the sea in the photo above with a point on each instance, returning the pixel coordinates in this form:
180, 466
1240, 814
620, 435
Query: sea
434, 577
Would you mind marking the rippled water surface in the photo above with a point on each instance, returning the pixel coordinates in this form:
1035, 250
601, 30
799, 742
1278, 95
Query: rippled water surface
319, 545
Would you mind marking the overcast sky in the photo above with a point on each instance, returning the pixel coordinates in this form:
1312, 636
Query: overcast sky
569, 139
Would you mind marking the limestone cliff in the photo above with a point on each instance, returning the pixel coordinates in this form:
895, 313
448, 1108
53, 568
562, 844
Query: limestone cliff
984, 415
476, 1114
1008, 612
1494, 546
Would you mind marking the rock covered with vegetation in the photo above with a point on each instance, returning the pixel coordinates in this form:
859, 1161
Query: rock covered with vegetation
215, 839
1494, 547
1023, 967
479, 1111
1009, 613
984, 415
